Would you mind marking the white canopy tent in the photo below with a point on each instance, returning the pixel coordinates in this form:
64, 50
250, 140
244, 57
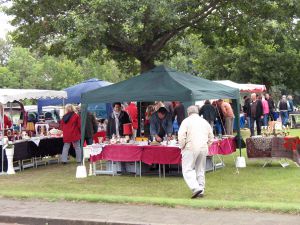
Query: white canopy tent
257, 88
10, 95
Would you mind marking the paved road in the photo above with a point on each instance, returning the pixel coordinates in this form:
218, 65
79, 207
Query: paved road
14, 212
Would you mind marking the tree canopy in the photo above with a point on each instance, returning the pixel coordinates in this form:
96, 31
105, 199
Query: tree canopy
245, 41
138, 30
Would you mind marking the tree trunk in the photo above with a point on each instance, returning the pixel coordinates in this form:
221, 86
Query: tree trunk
147, 65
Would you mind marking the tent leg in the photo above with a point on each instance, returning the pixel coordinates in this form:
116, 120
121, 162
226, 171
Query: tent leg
2, 136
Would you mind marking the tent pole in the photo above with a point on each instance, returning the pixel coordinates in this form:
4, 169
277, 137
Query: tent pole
139, 105
237, 121
2, 136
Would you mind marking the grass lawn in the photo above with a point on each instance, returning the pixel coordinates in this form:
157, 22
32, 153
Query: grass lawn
272, 188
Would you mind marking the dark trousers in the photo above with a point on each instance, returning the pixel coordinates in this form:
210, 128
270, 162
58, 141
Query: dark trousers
89, 141
258, 126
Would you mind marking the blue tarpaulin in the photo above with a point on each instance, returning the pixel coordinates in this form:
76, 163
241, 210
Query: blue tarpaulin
74, 93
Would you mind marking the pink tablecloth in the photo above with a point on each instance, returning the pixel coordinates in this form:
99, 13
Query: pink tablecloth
119, 153
222, 147
158, 154
161, 155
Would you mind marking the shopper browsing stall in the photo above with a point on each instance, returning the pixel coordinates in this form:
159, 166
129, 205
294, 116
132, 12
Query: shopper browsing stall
209, 113
228, 116
257, 114
91, 126
132, 111
178, 113
271, 107
4, 119
266, 110
283, 106
71, 133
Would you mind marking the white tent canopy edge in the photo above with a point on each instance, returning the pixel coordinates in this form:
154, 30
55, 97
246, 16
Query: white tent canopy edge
10, 95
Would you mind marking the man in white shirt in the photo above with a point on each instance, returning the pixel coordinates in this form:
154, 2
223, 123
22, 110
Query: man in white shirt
195, 136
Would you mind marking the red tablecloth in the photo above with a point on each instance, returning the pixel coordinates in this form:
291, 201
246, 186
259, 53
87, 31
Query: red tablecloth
122, 153
161, 155
157, 154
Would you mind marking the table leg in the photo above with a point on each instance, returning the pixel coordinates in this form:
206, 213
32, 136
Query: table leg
94, 168
268, 161
284, 163
140, 169
159, 171
220, 164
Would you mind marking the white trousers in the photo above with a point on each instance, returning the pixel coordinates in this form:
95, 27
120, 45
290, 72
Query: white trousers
193, 168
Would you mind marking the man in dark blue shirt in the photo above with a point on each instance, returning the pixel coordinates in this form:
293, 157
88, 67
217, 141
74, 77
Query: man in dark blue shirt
161, 124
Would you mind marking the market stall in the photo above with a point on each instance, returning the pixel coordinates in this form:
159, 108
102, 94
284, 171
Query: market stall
271, 148
164, 84
244, 88
159, 154
11, 95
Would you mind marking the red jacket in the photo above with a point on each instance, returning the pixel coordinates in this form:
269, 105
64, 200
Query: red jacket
71, 128
131, 109
7, 122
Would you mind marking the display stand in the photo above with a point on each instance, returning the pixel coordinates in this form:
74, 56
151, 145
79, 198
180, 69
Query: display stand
283, 162
2, 159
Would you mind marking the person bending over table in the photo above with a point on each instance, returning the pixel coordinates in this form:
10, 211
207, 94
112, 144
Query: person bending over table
71, 126
116, 120
161, 125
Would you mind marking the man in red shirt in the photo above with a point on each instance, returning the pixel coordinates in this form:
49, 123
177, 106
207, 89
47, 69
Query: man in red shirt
132, 111
7, 121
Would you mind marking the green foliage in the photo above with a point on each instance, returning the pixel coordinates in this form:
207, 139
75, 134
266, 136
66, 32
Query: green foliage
5, 48
27, 70
271, 56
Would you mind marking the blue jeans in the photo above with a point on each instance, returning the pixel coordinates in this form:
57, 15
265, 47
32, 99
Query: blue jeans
218, 127
284, 117
266, 119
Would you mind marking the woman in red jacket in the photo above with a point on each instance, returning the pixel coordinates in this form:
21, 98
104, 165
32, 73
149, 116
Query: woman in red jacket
71, 124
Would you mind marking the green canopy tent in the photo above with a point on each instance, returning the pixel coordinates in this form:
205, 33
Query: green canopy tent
163, 84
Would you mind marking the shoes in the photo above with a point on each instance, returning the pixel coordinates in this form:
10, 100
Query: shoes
64, 163
196, 194
201, 195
